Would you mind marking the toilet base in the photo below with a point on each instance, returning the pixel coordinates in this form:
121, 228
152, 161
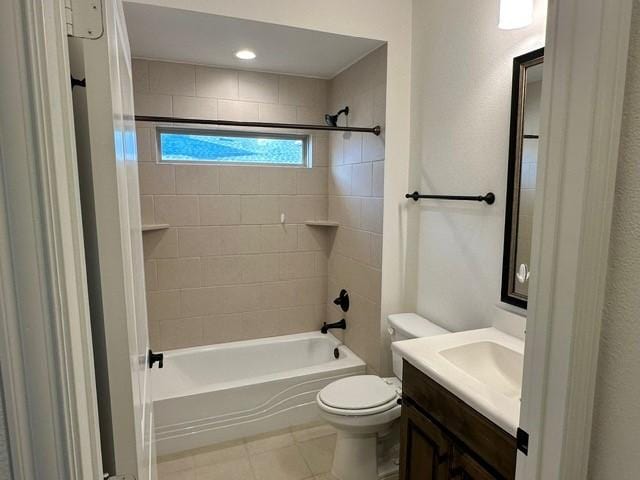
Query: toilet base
355, 456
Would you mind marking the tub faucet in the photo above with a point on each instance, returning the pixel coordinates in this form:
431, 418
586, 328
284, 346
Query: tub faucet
328, 326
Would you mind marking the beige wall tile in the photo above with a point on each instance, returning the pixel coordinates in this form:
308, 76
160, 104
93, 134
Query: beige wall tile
238, 179
260, 268
197, 179
199, 241
311, 291
312, 181
376, 250
221, 329
345, 210
146, 209
339, 181
179, 273
216, 82
240, 239
297, 265
237, 110
156, 179
163, 305
312, 239
303, 92
377, 189
160, 243
176, 210
140, 75
220, 210
279, 294
152, 104
258, 87
195, 107
150, 275
277, 113
225, 270
200, 301
310, 115
278, 180
372, 148
352, 148
336, 144
172, 78
146, 152
361, 180
372, 209
278, 238
180, 333
241, 298
320, 150
260, 209
300, 208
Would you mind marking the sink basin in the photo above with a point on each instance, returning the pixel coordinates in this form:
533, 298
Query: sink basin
481, 367
490, 363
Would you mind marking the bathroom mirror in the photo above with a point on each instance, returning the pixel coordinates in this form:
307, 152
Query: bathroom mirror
521, 180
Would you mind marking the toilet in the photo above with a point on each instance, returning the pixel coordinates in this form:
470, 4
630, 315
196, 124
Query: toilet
364, 408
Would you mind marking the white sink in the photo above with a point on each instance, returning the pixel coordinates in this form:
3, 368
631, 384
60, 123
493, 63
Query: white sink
482, 367
490, 363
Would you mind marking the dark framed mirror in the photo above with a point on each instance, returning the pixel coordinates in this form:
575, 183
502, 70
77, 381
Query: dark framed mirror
521, 176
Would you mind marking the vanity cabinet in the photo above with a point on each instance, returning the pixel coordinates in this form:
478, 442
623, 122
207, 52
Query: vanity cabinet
443, 438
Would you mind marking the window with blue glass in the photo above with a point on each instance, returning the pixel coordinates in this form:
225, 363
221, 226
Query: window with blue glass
221, 146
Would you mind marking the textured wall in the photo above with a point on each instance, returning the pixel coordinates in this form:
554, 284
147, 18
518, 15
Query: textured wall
356, 182
227, 269
5, 473
615, 449
461, 94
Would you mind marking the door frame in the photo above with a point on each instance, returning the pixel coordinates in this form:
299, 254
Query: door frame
46, 356
582, 99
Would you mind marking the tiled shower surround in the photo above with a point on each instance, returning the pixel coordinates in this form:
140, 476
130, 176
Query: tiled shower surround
227, 268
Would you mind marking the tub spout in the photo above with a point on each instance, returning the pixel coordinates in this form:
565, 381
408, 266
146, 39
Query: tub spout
328, 326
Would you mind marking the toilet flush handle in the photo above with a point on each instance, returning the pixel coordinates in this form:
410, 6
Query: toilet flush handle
390, 331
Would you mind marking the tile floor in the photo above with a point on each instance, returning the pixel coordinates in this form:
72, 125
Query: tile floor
299, 453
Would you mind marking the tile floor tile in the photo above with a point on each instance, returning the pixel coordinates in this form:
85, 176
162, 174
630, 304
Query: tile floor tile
265, 443
318, 453
238, 469
309, 433
282, 464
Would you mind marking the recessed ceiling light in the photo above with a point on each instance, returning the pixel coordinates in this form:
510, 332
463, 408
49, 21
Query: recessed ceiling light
245, 54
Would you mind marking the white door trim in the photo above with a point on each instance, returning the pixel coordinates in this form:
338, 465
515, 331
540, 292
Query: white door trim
583, 89
46, 355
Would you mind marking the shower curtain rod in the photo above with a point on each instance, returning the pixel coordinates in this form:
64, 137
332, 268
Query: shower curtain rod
231, 123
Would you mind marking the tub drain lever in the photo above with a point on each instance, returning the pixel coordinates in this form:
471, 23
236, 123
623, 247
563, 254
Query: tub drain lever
156, 357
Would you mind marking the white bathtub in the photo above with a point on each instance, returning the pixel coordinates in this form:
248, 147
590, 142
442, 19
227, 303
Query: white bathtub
205, 395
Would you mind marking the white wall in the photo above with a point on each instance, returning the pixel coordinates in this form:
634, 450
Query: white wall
615, 450
462, 67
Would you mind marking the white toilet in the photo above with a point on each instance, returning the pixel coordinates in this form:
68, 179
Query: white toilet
363, 408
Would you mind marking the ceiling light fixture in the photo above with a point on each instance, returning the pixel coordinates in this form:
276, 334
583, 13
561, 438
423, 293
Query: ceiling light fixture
245, 54
515, 14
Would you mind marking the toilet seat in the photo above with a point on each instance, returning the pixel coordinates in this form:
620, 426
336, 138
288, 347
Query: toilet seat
359, 395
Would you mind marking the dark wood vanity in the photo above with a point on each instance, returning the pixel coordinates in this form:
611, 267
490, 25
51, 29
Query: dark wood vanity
444, 438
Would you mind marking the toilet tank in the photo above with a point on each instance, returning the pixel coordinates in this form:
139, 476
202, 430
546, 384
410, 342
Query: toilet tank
405, 326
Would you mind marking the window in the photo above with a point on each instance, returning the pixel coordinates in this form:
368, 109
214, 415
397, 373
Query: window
222, 146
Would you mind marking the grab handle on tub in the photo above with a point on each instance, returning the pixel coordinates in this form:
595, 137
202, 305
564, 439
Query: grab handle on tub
156, 357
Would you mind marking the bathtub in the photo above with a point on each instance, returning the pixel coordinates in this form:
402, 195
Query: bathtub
215, 393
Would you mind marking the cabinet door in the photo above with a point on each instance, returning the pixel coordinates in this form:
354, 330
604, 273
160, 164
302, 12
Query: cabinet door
465, 467
425, 451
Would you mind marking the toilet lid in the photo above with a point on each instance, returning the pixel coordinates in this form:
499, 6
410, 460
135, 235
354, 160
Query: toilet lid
357, 393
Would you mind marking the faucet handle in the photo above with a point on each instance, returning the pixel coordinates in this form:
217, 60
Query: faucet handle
343, 300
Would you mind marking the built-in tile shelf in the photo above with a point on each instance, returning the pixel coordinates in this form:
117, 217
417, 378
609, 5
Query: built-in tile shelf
321, 223
154, 227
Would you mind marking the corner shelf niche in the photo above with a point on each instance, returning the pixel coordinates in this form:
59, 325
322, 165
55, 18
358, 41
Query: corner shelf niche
154, 227
321, 223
